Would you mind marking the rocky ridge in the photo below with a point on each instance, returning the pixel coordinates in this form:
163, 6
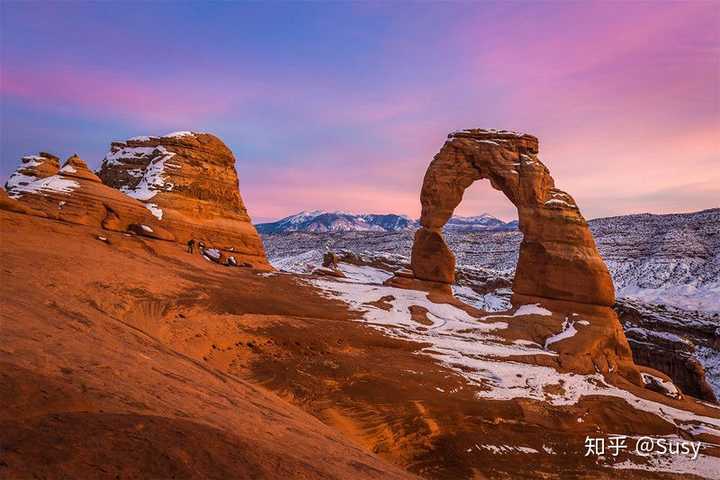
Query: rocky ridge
319, 221
683, 344
177, 187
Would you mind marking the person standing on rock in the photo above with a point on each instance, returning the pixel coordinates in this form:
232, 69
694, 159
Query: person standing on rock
191, 245
201, 247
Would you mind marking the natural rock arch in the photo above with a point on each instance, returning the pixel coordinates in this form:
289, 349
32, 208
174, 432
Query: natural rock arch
558, 256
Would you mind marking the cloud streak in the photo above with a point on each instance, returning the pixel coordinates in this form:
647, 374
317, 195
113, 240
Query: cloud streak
343, 107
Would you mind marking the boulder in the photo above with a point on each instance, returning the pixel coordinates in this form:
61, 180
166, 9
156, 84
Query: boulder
188, 180
558, 257
328, 272
330, 260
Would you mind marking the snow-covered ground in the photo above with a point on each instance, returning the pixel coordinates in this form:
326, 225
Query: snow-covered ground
495, 301
663, 259
475, 349
705, 297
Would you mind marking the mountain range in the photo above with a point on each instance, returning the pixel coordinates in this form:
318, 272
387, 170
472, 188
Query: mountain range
319, 221
666, 259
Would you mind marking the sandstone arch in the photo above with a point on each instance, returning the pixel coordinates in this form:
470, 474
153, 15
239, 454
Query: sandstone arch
558, 256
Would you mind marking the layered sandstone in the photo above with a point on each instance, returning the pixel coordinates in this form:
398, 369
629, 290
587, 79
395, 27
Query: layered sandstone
558, 257
75, 194
189, 182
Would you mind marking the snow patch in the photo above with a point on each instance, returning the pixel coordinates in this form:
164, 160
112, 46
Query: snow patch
155, 210
178, 134
669, 389
212, 253
153, 179
506, 449
490, 302
531, 309
704, 465
20, 184
114, 157
568, 331
358, 274
558, 202
467, 346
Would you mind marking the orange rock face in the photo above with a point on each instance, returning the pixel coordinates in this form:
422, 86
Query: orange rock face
75, 194
558, 257
188, 181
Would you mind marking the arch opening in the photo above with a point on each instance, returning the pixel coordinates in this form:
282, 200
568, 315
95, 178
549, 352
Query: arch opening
482, 231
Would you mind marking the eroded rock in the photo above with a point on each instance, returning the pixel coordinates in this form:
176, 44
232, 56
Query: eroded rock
558, 257
75, 194
680, 343
189, 182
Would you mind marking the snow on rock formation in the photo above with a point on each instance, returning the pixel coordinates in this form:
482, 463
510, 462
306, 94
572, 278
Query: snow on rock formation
179, 186
188, 181
504, 356
75, 194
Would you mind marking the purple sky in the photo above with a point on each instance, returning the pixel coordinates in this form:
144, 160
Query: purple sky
342, 106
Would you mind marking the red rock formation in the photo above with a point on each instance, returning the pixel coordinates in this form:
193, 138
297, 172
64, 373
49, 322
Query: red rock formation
188, 180
75, 194
558, 256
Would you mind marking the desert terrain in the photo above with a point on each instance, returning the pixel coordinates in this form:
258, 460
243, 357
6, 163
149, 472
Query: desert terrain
124, 355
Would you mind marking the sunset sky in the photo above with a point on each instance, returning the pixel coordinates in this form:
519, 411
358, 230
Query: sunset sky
341, 106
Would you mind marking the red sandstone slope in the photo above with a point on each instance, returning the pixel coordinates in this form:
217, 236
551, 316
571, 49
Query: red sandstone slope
87, 394
142, 344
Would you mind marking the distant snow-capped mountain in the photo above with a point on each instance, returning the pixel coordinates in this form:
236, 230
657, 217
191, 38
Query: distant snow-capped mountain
482, 222
322, 221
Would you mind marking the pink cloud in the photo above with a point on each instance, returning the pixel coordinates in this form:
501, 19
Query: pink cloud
116, 93
625, 105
